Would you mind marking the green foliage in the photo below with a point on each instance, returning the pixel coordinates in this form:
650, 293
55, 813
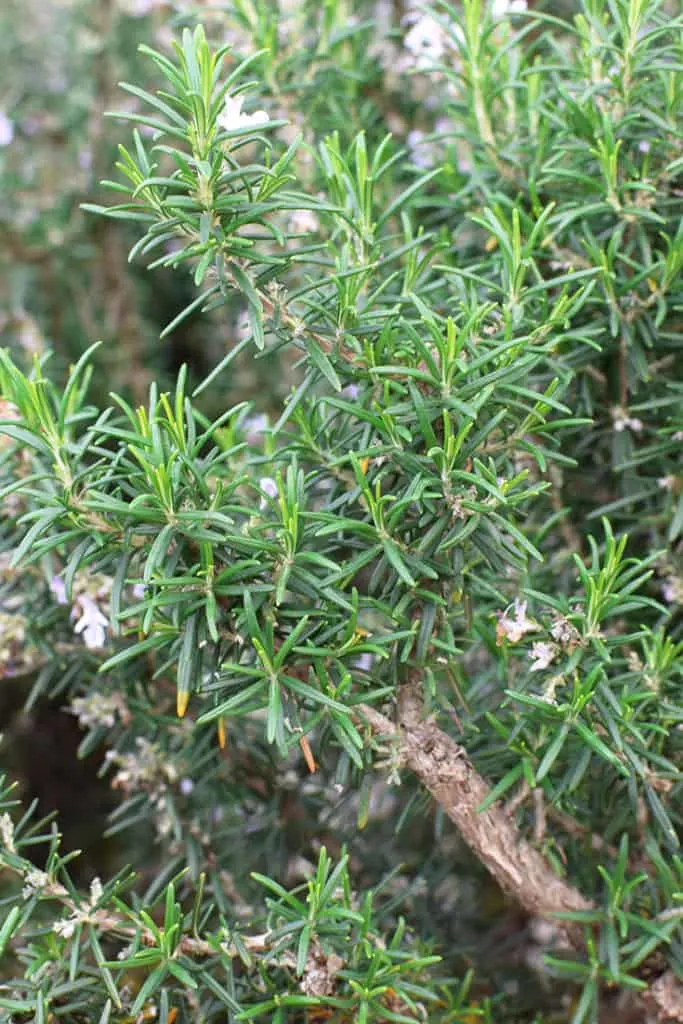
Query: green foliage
474, 481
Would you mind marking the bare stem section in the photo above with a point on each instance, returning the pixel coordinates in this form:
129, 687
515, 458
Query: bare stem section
444, 768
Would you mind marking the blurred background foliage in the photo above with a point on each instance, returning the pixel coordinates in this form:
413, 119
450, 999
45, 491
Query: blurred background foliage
64, 276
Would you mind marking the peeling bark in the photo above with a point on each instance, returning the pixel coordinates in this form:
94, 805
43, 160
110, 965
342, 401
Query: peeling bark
445, 770
665, 999
443, 767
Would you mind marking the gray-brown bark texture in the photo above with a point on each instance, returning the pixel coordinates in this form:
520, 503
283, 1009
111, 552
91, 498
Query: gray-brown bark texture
444, 768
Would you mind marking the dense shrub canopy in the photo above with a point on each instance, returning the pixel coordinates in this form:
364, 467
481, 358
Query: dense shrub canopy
356, 660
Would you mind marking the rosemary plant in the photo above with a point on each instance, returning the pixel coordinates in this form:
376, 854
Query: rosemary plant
422, 626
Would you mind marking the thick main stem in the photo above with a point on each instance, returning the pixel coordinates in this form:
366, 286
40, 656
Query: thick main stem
443, 767
445, 770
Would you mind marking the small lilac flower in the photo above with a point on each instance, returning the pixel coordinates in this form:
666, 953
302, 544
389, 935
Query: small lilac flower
564, 632
255, 427
92, 624
58, 590
269, 488
426, 41
6, 129
65, 927
672, 590
421, 150
365, 661
514, 627
644, 146
542, 654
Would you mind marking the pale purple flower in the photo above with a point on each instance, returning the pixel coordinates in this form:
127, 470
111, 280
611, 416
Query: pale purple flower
514, 627
255, 427
34, 881
6, 129
91, 623
542, 654
65, 927
270, 488
58, 590
365, 661
98, 710
186, 786
672, 590
422, 150
644, 146
564, 632
425, 41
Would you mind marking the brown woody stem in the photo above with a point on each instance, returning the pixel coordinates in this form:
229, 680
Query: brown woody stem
444, 768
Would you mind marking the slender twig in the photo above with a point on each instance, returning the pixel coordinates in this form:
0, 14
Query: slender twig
111, 923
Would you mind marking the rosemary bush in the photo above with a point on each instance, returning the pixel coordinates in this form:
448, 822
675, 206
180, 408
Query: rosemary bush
431, 607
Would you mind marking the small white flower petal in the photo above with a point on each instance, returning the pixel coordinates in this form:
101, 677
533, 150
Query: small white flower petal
58, 589
233, 118
365, 661
6, 129
92, 624
503, 8
513, 628
269, 487
542, 655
